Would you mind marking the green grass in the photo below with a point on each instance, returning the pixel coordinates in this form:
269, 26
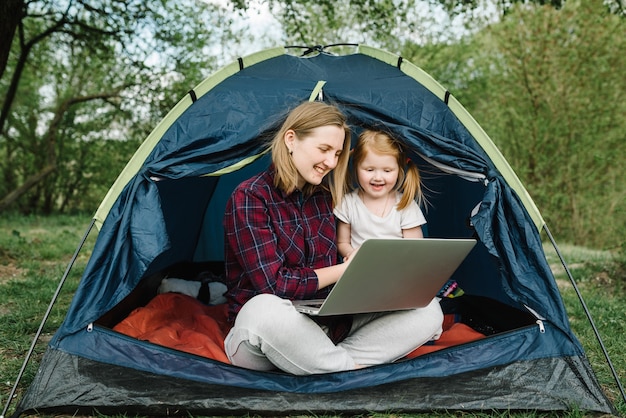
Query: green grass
601, 280
35, 252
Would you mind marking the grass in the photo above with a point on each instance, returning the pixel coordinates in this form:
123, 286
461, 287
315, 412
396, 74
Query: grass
35, 252
601, 280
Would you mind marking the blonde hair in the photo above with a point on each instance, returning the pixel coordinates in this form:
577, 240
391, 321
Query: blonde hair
409, 181
303, 120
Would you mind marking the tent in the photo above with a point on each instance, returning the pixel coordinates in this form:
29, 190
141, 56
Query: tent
162, 217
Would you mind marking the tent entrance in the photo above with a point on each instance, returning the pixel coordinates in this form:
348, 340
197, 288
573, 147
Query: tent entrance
193, 209
467, 317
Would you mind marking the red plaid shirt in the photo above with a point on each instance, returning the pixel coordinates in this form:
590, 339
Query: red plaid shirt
274, 241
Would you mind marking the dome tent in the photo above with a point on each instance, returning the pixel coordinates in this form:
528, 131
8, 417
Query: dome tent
166, 207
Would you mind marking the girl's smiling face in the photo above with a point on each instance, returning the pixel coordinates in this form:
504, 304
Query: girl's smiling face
378, 174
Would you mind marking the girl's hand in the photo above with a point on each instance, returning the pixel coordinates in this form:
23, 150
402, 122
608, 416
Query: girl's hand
350, 256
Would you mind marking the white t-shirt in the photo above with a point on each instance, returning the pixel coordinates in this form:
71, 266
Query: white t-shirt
364, 224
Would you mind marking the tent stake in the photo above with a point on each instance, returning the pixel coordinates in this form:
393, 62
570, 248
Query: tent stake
584, 305
45, 318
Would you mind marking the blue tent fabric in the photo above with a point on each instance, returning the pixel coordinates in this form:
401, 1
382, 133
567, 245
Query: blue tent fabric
231, 122
510, 238
196, 144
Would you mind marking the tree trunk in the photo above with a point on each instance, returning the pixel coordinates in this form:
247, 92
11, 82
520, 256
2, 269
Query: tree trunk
30, 182
50, 142
11, 13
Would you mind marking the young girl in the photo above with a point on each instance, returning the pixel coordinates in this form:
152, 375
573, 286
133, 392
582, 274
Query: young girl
383, 205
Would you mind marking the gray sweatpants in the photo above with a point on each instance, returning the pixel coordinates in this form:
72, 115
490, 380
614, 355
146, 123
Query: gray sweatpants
269, 333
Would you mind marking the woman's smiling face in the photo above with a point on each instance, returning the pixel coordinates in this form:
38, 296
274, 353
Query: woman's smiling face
316, 154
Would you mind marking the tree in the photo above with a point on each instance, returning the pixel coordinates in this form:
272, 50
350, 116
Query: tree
74, 62
10, 15
554, 105
83, 71
79, 72
388, 23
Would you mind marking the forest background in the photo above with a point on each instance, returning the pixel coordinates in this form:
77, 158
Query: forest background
83, 83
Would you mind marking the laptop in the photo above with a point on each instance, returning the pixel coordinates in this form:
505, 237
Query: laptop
390, 275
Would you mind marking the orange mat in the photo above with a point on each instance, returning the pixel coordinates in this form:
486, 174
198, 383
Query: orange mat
183, 323
180, 322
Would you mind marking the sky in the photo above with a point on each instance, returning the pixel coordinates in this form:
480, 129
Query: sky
433, 20
265, 28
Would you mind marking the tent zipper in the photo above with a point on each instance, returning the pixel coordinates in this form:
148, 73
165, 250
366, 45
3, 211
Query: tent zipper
539, 321
542, 329
467, 175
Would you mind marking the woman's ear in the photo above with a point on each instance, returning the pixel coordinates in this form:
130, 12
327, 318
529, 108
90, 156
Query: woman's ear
290, 138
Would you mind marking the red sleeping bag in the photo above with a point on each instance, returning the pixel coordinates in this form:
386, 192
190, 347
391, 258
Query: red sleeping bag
183, 323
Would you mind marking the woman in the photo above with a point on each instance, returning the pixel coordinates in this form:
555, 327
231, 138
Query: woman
281, 246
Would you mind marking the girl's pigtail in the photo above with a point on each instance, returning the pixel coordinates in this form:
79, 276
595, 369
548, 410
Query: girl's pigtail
411, 188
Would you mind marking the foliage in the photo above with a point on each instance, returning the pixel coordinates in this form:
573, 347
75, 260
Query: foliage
327, 22
85, 83
79, 74
386, 24
554, 105
546, 85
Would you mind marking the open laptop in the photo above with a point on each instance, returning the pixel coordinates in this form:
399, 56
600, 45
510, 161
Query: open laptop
390, 275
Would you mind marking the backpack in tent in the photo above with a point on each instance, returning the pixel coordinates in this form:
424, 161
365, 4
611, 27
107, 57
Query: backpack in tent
163, 218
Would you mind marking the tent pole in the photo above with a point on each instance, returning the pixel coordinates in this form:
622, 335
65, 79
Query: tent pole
45, 318
584, 305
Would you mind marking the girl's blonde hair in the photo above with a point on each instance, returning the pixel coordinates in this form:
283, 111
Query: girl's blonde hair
409, 181
303, 120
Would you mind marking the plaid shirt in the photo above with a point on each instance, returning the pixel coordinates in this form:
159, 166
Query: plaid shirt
274, 241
